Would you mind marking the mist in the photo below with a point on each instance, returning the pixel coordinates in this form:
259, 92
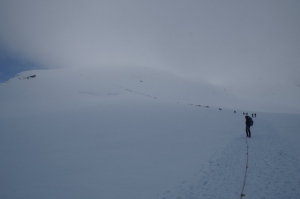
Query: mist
249, 46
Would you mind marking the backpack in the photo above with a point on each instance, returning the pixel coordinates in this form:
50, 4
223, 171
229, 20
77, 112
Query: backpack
250, 121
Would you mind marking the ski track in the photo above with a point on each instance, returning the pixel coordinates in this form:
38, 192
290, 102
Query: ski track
129, 90
273, 171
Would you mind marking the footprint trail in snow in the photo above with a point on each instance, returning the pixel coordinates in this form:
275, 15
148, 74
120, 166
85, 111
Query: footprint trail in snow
273, 170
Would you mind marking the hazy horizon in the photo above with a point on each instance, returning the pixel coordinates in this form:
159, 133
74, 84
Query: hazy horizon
251, 48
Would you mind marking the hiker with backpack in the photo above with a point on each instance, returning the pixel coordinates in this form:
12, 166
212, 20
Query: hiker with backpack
249, 122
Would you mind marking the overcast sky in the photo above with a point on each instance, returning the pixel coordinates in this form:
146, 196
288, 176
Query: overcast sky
225, 41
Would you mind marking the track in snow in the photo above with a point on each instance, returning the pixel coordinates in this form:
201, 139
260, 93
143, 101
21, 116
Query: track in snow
273, 171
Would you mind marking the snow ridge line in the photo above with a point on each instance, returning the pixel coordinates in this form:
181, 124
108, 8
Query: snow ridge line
245, 176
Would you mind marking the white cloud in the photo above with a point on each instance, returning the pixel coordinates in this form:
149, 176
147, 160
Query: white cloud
224, 42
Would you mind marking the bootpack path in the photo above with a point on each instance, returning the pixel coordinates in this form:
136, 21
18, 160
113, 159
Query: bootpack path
273, 170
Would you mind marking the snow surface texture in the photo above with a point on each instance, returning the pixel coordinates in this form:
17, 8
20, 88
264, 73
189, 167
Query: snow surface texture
80, 134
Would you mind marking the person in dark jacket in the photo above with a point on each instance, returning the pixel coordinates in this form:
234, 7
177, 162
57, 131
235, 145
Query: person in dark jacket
248, 124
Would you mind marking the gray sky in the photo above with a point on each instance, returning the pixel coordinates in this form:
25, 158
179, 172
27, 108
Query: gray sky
226, 42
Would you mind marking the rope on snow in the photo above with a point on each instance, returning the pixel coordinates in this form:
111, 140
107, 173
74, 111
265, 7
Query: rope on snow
245, 176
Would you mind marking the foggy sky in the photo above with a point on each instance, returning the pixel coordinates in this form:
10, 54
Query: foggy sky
226, 42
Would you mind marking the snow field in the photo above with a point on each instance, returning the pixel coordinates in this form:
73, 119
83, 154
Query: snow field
70, 135
109, 154
273, 170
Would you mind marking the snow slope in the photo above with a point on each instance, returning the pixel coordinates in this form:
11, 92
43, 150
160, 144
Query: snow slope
134, 134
